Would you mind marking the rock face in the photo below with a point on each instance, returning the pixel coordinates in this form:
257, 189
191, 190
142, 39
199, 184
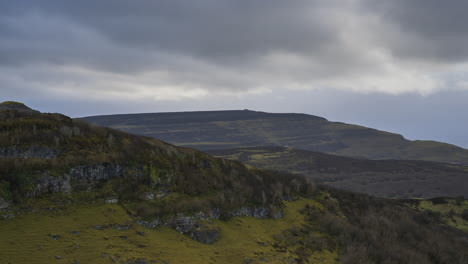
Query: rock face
4, 204
83, 178
195, 225
51, 184
257, 212
31, 152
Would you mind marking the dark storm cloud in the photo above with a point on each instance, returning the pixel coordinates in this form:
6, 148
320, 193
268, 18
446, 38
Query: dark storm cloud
430, 29
211, 45
208, 29
250, 42
124, 35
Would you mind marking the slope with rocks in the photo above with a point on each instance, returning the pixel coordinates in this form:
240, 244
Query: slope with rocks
43, 154
75, 193
235, 129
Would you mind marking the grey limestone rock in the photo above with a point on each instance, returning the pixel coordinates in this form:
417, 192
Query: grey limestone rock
39, 152
4, 204
205, 235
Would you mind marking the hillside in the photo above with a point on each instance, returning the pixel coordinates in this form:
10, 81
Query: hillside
71, 192
388, 178
52, 153
237, 129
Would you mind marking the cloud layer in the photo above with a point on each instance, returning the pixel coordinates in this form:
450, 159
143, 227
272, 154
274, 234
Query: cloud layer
186, 50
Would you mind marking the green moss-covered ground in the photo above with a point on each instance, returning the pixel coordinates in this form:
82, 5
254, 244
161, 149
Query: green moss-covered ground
451, 211
90, 234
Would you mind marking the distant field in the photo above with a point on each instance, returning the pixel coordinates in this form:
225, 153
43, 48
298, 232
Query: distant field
388, 178
238, 129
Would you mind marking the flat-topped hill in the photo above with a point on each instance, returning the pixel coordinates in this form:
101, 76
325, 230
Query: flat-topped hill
210, 130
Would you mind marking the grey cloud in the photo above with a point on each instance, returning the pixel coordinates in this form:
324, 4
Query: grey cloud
114, 49
431, 29
208, 29
230, 33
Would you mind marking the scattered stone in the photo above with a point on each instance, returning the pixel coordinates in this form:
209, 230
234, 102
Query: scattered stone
248, 261
55, 237
99, 227
138, 261
58, 257
206, 235
191, 225
4, 204
140, 233
76, 233
161, 195
75, 261
112, 200
149, 196
9, 216
121, 227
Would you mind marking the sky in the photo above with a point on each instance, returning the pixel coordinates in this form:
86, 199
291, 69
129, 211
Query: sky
394, 65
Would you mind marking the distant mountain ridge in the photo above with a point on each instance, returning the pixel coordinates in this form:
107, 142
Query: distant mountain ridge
211, 130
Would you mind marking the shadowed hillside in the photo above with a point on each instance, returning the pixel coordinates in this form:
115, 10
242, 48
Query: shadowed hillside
235, 129
389, 178
71, 192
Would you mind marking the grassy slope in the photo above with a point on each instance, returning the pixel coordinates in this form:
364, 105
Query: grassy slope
234, 129
389, 178
26, 239
195, 176
450, 211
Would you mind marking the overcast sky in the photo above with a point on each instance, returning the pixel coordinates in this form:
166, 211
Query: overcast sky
396, 65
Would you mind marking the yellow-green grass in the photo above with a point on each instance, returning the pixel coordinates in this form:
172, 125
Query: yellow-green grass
27, 239
450, 212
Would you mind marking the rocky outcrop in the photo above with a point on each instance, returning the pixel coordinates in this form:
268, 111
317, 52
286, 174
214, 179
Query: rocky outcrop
83, 178
205, 235
257, 212
4, 204
31, 152
51, 184
196, 226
